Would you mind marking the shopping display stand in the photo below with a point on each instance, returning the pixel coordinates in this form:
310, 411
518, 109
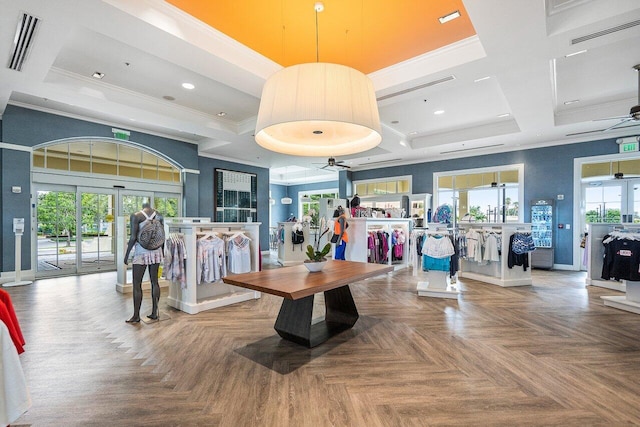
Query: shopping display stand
497, 273
630, 301
437, 283
18, 229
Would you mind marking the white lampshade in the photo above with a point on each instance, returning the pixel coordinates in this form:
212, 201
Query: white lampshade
318, 109
286, 200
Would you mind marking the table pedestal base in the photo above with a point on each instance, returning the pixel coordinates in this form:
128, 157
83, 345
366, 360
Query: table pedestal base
294, 319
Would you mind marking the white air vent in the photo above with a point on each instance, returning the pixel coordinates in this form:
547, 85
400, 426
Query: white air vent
422, 86
379, 162
469, 149
605, 32
22, 41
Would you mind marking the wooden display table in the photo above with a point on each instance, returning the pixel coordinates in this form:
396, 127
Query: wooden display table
298, 286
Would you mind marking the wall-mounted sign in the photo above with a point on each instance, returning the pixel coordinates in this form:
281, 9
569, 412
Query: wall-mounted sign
235, 196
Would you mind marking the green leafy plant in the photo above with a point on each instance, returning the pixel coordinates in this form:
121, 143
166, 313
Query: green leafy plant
318, 255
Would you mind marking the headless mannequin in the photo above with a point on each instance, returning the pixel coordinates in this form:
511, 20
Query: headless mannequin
140, 264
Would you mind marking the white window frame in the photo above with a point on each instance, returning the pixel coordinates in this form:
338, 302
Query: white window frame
518, 166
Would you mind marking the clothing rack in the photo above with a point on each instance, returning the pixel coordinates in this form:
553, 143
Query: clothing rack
595, 254
195, 298
288, 253
630, 301
438, 284
357, 248
497, 273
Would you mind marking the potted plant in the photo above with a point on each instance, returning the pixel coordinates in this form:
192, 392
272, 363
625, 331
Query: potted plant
317, 256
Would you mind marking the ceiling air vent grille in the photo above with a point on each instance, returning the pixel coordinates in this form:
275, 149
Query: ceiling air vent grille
605, 32
422, 86
22, 41
379, 162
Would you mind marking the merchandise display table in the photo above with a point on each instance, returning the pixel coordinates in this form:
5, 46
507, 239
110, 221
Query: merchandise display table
298, 286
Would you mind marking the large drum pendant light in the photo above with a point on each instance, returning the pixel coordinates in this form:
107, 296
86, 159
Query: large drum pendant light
318, 109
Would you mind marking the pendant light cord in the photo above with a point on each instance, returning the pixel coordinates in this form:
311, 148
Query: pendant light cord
317, 43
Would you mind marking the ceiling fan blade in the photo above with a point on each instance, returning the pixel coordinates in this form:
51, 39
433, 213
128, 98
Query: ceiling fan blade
617, 124
611, 118
584, 133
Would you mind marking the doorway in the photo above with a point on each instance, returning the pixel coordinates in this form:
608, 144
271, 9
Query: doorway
76, 226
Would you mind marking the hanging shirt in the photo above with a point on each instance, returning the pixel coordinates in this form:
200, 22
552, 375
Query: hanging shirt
239, 255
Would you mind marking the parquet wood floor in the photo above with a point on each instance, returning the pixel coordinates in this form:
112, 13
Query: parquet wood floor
547, 354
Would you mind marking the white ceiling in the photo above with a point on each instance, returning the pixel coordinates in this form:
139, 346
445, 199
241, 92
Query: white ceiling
147, 49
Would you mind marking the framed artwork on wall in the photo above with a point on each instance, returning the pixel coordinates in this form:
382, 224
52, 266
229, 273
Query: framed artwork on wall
235, 196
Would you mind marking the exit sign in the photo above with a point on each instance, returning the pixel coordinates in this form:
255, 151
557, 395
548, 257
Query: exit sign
629, 147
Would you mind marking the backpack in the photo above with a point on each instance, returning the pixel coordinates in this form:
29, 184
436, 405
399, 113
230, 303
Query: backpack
297, 237
151, 236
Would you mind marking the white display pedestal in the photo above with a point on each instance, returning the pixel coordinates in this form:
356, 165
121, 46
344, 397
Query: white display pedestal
629, 302
288, 253
437, 286
438, 283
18, 229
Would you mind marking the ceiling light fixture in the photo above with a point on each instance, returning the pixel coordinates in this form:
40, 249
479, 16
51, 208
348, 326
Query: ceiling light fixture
222, 114
97, 75
438, 112
318, 109
449, 17
188, 86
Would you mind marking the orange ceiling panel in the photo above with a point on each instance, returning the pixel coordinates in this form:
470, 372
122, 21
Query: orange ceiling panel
367, 35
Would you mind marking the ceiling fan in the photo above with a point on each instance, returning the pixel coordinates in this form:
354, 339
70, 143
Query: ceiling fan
333, 163
634, 113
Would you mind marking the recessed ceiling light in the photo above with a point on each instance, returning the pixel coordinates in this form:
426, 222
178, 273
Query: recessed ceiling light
188, 86
222, 114
481, 79
449, 17
504, 115
573, 101
98, 75
569, 55
438, 112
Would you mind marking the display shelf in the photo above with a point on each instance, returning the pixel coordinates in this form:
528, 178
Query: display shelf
438, 284
357, 248
497, 273
195, 298
288, 253
596, 233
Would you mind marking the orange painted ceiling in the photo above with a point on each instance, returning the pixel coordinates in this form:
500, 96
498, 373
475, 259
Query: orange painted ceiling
367, 35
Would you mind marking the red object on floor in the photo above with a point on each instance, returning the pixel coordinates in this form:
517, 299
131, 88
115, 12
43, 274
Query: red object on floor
8, 316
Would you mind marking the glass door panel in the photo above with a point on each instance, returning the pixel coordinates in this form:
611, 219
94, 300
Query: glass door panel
633, 205
56, 235
97, 249
603, 202
167, 205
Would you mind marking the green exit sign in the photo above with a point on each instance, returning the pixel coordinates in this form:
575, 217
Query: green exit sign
628, 147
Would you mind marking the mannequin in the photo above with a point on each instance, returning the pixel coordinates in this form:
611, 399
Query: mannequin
355, 202
340, 228
141, 259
